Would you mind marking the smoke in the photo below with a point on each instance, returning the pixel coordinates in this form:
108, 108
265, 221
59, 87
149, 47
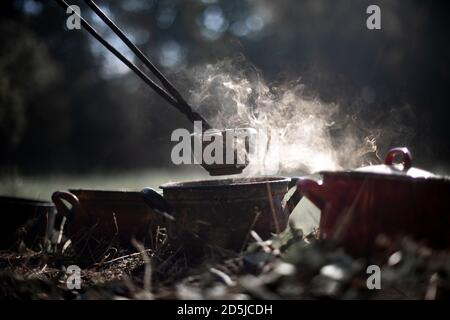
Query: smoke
305, 134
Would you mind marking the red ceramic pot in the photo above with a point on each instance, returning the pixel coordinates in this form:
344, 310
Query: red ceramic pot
390, 199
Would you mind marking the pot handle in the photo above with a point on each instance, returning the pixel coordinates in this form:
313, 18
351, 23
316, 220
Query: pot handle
313, 190
295, 198
404, 153
157, 202
61, 207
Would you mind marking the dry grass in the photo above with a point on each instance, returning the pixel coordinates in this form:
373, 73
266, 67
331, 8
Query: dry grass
288, 266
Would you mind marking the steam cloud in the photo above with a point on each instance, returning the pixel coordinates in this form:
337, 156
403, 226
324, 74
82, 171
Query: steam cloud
311, 135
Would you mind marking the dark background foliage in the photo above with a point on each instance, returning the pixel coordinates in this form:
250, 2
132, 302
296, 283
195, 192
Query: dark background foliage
65, 105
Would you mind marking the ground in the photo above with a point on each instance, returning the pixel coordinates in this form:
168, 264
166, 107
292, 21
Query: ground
288, 266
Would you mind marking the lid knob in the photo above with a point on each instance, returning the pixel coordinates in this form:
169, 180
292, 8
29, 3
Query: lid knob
405, 156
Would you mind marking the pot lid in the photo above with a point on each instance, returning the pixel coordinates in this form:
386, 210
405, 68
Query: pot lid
403, 168
398, 163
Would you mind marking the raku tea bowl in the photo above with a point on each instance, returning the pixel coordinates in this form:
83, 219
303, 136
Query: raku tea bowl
221, 213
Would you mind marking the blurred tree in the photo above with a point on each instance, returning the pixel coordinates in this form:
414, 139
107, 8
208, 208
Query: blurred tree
26, 71
67, 104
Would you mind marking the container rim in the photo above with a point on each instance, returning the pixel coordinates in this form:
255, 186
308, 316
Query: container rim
25, 201
224, 183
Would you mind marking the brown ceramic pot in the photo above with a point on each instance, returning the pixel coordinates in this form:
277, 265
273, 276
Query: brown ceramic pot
106, 215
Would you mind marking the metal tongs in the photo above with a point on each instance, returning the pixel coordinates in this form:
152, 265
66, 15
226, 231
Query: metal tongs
168, 93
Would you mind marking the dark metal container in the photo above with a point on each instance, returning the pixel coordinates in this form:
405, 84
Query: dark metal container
24, 219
